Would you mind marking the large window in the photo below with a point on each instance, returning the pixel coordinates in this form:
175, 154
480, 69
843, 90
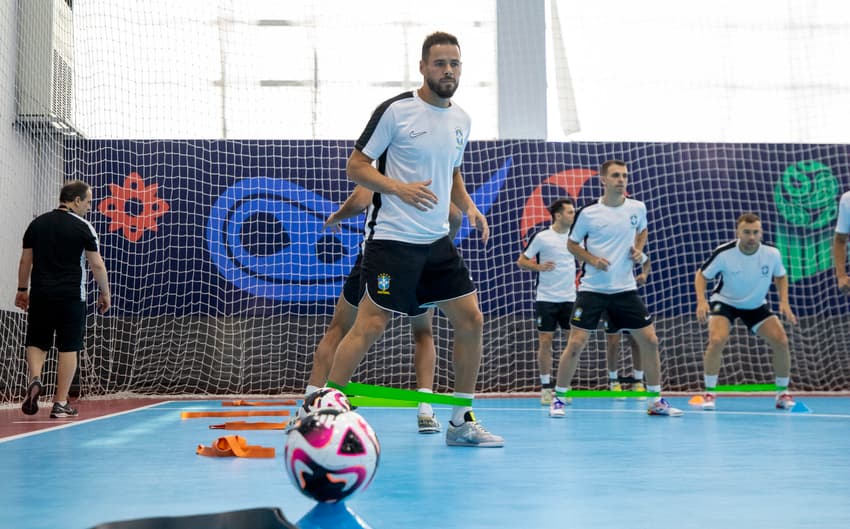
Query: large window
267, 69
726, 70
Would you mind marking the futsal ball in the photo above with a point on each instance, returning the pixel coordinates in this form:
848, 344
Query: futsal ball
330, 454
322, 399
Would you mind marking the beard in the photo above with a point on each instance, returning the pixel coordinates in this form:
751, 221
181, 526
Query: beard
443, 90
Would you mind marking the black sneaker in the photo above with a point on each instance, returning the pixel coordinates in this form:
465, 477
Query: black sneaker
59, 411
30, 405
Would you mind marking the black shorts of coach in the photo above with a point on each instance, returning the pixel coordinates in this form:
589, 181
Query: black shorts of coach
403, 277
67, 319
352, 289
625, 311
752, 318
550, 315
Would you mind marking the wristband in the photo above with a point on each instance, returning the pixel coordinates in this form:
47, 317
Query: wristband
22, 289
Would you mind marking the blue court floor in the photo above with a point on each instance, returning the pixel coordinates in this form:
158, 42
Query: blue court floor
606, 465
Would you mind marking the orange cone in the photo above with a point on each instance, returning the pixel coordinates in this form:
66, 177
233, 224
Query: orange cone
696, 400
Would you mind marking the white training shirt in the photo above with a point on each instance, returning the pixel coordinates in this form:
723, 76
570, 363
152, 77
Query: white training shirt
843, 224
558, 285
743, 280
414, 141
609, 232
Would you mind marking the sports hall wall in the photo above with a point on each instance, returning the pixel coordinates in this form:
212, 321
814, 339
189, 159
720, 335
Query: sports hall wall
224, 280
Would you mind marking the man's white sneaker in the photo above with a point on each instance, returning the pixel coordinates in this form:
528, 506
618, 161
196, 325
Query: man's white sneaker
557, 408
662, 407
428, 424
472, 433
784, 401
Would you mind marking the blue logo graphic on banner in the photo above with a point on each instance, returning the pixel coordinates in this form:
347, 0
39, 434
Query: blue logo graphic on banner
296, 266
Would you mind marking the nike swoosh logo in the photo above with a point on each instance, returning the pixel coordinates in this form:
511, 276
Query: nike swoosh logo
417, 133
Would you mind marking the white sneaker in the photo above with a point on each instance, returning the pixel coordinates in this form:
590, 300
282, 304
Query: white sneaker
557, 408
472, 433
784, 401
662, 407
428, 424
708, 401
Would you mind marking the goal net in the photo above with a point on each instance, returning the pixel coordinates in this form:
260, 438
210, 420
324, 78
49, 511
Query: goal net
223, 280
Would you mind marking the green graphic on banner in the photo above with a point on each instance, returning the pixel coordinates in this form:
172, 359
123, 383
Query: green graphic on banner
805, 197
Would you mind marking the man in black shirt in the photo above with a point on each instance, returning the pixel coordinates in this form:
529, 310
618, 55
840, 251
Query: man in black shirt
56, 247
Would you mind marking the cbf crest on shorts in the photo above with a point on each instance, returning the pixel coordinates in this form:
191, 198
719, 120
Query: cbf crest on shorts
383, 283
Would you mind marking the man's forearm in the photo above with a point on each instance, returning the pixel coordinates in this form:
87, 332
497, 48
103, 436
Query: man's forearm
839, 255
101, 277
699, 286
579, 251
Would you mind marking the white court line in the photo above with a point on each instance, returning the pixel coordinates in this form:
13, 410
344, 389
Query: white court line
69, 424
486, 409
687, 412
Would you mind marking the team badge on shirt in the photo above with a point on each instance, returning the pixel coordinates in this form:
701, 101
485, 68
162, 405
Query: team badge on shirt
633, 220
764, 271
383, 283
459, 137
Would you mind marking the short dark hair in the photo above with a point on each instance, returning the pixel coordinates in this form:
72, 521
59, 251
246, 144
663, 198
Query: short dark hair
604, 169
72, 190
748, 217
556, 206
436, 38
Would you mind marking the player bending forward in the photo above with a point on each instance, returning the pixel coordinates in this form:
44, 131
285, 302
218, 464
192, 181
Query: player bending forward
745, 268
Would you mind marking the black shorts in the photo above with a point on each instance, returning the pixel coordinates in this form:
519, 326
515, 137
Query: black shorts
67, 319
351, 290
625, 311
752, 318
402, 277
550, 315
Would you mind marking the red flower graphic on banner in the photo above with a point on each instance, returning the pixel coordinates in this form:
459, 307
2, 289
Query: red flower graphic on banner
115, 207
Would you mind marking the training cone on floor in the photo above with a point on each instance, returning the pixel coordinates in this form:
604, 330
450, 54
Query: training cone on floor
696, 400
332, 516
799, 407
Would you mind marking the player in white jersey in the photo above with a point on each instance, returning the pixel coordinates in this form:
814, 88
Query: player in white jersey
608, 237
547, 255
409, 261
744, 269
839, 243
424, 353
